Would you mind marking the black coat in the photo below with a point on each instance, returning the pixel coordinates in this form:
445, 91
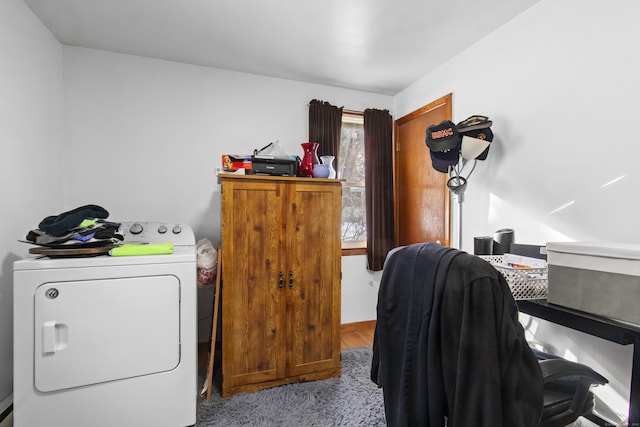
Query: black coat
448, 345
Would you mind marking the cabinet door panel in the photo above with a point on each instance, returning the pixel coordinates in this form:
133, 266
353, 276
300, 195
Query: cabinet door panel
252, 258
314, 300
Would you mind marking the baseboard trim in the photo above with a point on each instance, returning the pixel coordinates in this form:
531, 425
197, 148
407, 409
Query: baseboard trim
6, 412
346, 327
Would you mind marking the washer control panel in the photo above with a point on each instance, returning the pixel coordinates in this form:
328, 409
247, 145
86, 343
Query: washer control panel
157, 232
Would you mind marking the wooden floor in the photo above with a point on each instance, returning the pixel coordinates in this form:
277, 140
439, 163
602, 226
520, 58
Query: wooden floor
357, 334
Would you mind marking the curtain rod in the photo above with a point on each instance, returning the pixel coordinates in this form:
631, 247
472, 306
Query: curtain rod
344, 110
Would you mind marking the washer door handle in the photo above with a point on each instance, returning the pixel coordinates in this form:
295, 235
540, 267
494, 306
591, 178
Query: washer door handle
49, 337
55, 337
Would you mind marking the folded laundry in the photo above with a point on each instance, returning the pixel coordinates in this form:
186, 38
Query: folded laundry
101, 231
59, 225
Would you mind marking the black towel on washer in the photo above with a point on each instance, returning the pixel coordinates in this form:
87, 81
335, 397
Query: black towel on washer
59, 225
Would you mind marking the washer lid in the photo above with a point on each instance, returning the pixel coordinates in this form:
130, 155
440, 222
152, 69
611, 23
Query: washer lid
181, 254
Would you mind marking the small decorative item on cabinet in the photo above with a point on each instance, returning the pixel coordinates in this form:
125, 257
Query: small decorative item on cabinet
321, 170
309, 158
328, 160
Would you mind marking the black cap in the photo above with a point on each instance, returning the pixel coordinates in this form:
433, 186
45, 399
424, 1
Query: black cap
442, 137
473, 123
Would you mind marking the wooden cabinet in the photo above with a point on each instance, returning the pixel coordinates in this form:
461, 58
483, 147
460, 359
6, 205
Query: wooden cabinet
281, 271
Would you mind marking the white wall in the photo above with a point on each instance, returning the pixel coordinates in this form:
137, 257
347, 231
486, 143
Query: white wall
560, 84
561, 88
151, 134
31, 164
359, 289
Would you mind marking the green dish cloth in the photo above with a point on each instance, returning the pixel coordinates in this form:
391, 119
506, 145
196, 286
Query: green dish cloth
129, 249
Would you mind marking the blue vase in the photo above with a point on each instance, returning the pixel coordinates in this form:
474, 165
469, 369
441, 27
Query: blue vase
320, 170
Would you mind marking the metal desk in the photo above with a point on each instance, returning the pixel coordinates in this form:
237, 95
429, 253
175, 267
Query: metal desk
611, 330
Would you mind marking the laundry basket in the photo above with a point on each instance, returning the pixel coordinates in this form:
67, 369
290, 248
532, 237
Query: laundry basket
525, 283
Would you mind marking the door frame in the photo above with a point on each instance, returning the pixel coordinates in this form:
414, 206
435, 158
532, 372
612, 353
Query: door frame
445, 101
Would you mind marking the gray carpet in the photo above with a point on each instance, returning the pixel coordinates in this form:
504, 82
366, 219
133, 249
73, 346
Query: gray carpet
351, 400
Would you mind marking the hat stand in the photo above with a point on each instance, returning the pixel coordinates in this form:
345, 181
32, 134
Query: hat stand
473, 137
457, 184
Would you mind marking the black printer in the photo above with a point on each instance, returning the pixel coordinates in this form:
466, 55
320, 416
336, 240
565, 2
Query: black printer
274, 165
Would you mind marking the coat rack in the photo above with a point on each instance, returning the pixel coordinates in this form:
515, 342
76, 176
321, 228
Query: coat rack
454, 148
457, 184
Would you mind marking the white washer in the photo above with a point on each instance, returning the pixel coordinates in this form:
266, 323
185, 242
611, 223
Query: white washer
108, 341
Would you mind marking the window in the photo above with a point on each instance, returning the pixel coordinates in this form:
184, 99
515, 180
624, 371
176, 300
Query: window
351, 169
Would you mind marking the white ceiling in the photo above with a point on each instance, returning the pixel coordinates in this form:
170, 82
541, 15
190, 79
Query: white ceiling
381, 46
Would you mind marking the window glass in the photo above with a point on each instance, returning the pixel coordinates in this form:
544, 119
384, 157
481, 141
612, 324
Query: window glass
351, 169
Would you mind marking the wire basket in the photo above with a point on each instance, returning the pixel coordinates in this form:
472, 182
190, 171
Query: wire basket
525, 283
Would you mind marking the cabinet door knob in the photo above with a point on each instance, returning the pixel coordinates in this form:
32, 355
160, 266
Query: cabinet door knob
290, 279
281, 281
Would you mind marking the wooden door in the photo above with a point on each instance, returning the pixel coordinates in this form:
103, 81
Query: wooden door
254, 302
422, 199
315, 255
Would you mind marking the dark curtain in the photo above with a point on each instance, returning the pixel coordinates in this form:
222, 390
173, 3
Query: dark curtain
378, 176
325, 121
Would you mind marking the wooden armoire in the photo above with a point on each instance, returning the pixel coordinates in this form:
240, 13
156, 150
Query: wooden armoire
281, 272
